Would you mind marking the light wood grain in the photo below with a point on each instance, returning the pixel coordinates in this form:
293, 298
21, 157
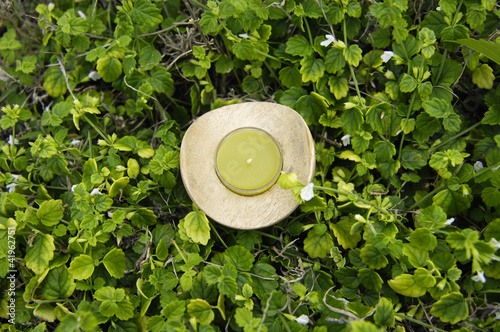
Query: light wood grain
197, 162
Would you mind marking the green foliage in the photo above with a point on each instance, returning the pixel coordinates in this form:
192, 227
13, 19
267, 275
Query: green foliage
403, 103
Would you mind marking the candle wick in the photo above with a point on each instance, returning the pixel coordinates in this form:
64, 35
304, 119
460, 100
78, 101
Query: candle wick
249, 161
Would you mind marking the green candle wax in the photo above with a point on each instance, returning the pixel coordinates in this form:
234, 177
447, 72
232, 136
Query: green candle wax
248, 161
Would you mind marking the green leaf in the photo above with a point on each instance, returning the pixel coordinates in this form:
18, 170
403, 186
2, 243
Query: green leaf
146, 13
118, 185
417, 257
290, 76
311, 107
240, 257
161, 80
318, 245
109, 68
244, 50
39, 254
384, 150
312, 68
483, 77
338, 86
453, 202
492, 230
108, 308
149, 56
82, 267
406, 285
50, 212
492, 117
115, 263
58, 284
342, 232
372, 257
490, 49
363, 326
334, 60
227, 286
54, 82
426, 126
384, 314
298, 45
451, 308
347, 276
424, 278
422, 238
408, 83
370, 279
437, 108
353, 54
197, 227
124, 310
244, 318
352, 120
200, 310
174, 309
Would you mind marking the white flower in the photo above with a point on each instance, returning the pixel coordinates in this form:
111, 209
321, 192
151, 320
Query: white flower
82, 15
95, 192
243, 35
73, 187
387, 56
307, 193
110, 214
346, 140
479, 277
16, 176
495, 243
478, 165
11, 187
94, 75
497, 315
75, 142
329, 39
438, 8
449, 221
12, 141
302, 319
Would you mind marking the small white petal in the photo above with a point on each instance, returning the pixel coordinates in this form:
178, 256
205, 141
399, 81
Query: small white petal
329, 39
495, 243
346, 140
75, 142
438, 8
11, 187
94, 75
302, 319
387, 56
243, 35
307, 193
11, 141
478, 165
449, 221
95, 192
479, 277
358, 217
110, 214
73, 187
249, 161
82, 15
16, 176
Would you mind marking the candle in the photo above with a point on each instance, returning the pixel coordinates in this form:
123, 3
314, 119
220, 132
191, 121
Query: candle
248, 161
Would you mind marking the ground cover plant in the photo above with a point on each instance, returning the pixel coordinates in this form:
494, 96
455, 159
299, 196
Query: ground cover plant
398, 231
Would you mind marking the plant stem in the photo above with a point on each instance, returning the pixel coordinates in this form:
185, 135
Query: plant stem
407, 117
99, 131
353, 74
402, 316
433, 149
362, 200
